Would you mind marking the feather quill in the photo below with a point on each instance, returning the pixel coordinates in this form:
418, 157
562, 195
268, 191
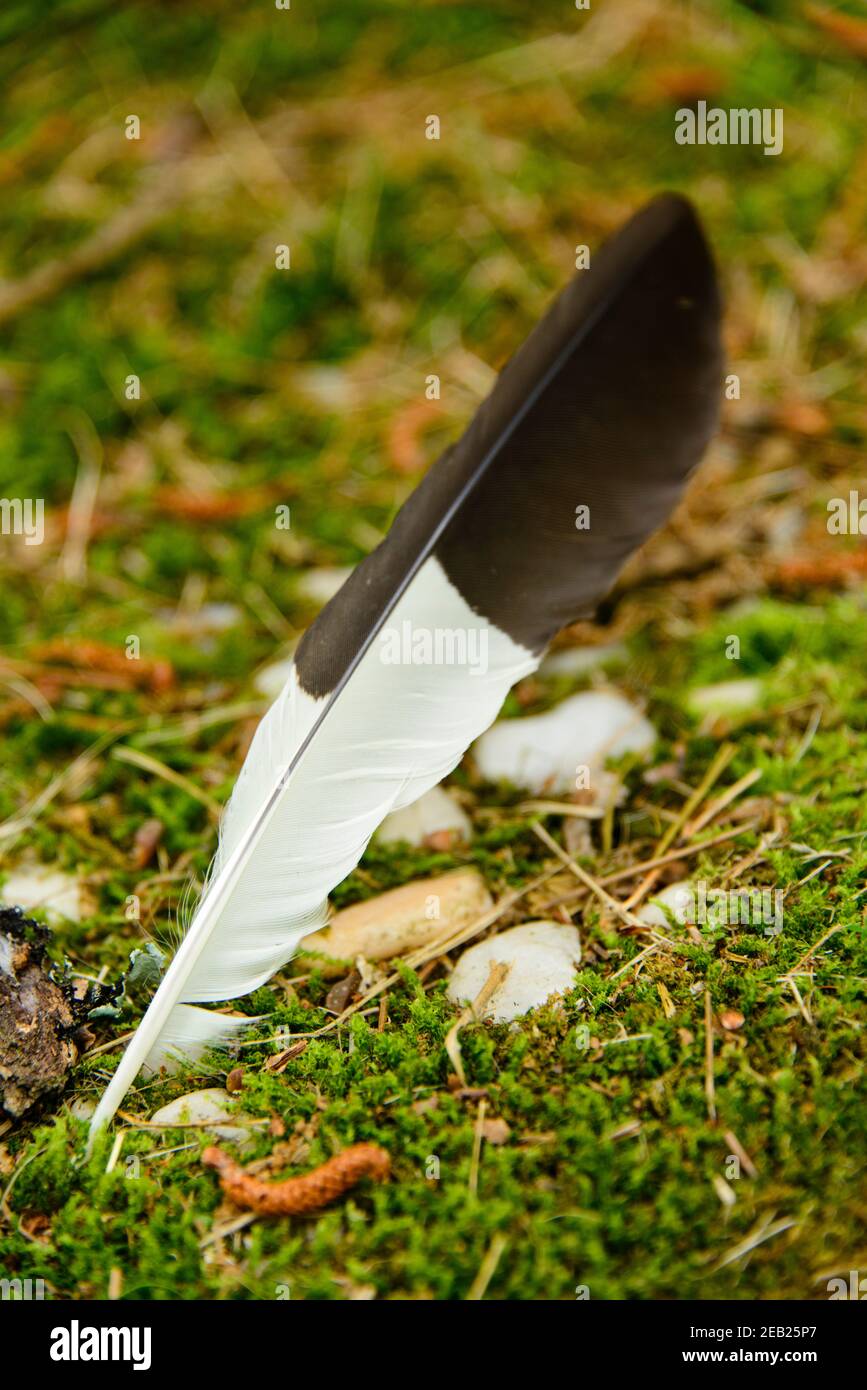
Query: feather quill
608, 406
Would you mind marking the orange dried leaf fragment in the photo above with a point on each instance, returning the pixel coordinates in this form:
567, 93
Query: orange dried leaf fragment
85, 655
306, 1193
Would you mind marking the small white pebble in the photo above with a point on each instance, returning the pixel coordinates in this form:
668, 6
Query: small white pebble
320, 585
433, 812
39, 886
678, 897
207, 1109
578, 661
270, 680
542, 957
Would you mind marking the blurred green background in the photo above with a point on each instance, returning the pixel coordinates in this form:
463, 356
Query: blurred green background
409, 256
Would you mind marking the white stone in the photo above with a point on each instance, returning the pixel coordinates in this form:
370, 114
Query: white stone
544, 752
433, 812
542, 957
401, 920
577, 661
209, 1110
33, 885
677, 897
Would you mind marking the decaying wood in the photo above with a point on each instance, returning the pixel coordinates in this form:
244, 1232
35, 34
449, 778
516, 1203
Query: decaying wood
42, 1019
36, 1020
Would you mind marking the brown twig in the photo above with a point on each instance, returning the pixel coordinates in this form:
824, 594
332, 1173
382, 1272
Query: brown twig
722, 802
496, 975
740, 1153
678, 826
807, 954
487, 1269
156, 200
79, 519
632, 870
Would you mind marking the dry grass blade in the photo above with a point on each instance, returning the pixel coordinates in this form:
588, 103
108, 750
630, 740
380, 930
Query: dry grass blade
728, 796
191, 725
752, 1241
720, 762
814, 873
709, 1085
636, 960
665, 999
755, 856
799, 1000
132, 1123
809, 734
478, 1135
230, 1228
741, 1154
487, 1269
128, 226
496, 975
147, 763
16, 825
6, 1211
116, 1147
587, 879
632, 870
717, 767
796, 969
110, 1045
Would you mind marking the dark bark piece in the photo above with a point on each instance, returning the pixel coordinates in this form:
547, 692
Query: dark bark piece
42, 1019
36, 1018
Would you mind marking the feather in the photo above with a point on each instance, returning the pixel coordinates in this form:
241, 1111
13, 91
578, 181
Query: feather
608, 406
